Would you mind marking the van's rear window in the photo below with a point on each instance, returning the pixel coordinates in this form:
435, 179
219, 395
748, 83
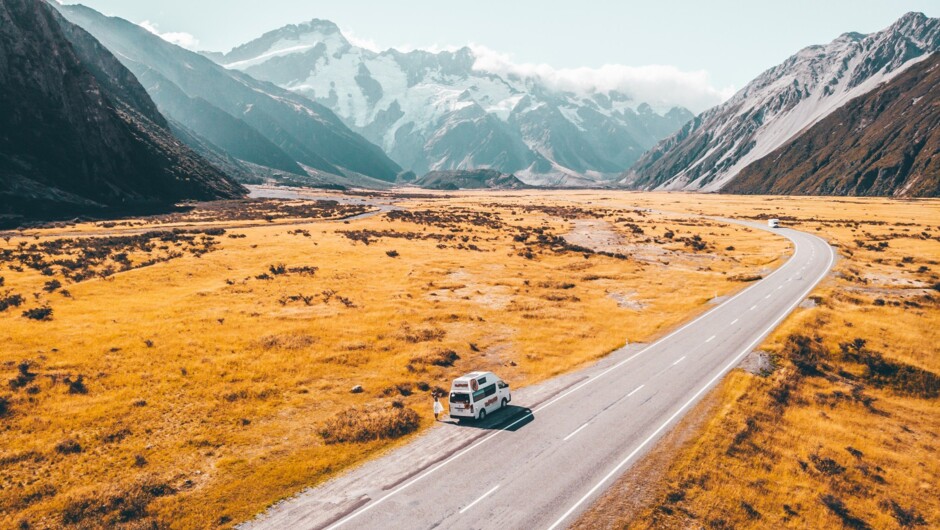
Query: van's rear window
459, 398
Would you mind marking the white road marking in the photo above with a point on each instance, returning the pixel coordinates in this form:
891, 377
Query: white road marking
485, 495
735, 321
766, 297
545, 405
679, 361
576, 431
753, 307
781, 287
636, 390
711, 338
701, 391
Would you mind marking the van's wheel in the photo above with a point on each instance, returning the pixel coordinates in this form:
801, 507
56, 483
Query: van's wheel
482, 415
505, 402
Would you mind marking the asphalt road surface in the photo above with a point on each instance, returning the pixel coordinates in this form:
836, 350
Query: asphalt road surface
545, 459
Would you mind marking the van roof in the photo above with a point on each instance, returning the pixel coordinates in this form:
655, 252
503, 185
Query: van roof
474, 375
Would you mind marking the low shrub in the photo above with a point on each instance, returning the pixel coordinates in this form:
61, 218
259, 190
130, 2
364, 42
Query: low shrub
357, 425
806, 353
68, 447
39, 313
8, 300
287, 342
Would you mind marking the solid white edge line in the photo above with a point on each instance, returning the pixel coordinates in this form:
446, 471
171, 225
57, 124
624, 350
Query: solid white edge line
701, 391
576, 431
458, 454
485, 495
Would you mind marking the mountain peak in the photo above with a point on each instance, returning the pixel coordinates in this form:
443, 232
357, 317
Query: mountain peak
320, 25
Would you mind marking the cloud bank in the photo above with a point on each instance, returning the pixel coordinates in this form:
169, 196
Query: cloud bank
661, 86
184, 40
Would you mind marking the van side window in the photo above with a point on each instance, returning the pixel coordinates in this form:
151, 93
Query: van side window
503, 385
490, 390
479, 394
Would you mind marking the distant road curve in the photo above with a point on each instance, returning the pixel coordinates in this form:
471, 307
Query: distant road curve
543, 461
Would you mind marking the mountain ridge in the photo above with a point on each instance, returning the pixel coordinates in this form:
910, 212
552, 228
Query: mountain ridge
882, 143
781, 103
438, 111
251, 120
78, 132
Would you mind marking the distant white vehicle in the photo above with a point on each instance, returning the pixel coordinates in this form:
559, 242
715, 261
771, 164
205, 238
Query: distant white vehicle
774, 223
477, 394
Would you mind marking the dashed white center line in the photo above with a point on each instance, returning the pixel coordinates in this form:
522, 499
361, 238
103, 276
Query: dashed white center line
768, 296
781, 287
735, 321
576, 431
709, 339
636, 390
753, 307
680, 360
485, 495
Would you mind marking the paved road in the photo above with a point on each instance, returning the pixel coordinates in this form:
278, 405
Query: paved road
542, 462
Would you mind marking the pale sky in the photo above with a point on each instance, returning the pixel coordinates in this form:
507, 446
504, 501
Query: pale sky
718, 45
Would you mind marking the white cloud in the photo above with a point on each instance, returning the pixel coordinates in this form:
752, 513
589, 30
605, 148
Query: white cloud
361, 42
661, 86
184, 40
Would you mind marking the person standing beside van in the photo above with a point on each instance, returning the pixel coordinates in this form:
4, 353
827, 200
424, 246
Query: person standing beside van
438, 408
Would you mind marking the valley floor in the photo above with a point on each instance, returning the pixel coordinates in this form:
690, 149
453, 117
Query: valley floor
190, 369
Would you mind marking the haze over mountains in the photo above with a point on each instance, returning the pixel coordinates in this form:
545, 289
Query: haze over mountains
710, 152
439, 111
78, 132
237, 116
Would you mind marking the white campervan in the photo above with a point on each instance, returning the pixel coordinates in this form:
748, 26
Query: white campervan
773, 223
477, 394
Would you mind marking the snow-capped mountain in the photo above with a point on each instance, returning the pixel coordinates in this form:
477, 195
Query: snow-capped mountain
225, 113
782, 103
440, 111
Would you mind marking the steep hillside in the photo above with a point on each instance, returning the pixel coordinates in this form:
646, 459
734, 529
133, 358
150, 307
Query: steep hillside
709, 152
886, 142
77, 132
250, 120
469, 180
440, 111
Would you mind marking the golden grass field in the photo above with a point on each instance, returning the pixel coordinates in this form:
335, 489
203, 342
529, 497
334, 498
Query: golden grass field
191, 379
837, 436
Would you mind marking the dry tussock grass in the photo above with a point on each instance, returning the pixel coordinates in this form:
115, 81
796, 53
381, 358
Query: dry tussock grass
216, 373
363, 425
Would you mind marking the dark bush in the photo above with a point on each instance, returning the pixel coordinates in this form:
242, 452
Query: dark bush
392, 253
76, 386
826, 466
23, 376
5, 406
68, 447
837, 507
8, 300
52, 286
806, 353
39, 313
906, 518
